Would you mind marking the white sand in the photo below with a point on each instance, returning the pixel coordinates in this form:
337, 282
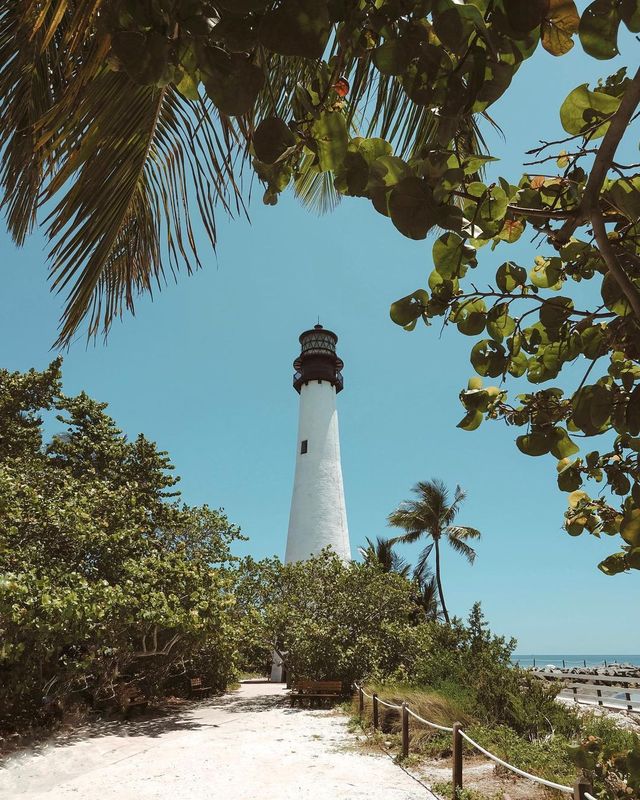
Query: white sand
248, 745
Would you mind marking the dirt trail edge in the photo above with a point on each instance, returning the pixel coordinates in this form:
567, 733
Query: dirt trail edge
247, 745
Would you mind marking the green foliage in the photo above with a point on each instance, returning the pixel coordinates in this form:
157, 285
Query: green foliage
330, 620
545, 757
374, 100
610, 756
105, 580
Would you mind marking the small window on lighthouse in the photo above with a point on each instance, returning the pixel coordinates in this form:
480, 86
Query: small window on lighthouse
303, 446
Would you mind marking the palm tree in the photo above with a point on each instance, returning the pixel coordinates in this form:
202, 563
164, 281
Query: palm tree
432, 517
427, 597
381, 554
123, 128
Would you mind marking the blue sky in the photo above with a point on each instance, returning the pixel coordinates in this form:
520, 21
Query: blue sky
205, 370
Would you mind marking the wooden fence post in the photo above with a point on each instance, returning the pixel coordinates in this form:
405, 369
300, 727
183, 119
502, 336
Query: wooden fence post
405, 730
457, 759
627, 696
360, 702
375, 711
599, 694
581, 786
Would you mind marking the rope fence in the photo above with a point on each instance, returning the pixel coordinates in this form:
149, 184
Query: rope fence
581, 790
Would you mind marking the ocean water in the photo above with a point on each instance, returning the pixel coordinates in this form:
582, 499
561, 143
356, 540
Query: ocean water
573, 659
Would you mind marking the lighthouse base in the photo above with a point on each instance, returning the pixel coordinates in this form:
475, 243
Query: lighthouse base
278, 669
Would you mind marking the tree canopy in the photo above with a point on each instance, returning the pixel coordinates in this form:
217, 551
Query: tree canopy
115, 113
106, 580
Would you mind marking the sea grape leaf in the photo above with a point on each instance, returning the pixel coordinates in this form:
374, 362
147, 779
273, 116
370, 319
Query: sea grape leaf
411, 208
509, 275
561, 21
272, 139
582, 110
535, 443
451, 255
598, 29
297, 28
330, 134
409, 308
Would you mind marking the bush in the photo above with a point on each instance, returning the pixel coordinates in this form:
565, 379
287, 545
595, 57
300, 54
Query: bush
330, 620
105, 580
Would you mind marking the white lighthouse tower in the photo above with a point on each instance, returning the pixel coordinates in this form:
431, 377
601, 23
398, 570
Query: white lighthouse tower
318, 517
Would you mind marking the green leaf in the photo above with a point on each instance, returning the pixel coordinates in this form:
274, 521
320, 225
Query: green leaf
518, 364
598, 29
630, 14
451, 255
525, 15
272, 139
471, 421
488, 358
389, 170
546, 273
393, 56
630, 527
624, 194
632, 415
613, 296
561, 444
330, 134
534, 444
555, 311
411, 208
233, 82
612, 565
509, 275
409, 308
582, 110
594, 341
297, 28
499, 323
470, 317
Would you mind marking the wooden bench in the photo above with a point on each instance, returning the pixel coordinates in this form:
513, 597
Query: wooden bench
315, 692
197, 688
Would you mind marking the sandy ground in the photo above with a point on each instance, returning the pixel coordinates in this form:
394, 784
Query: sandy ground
247, 745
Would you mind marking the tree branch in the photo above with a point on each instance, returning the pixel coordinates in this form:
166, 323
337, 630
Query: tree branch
602, 162
613, 265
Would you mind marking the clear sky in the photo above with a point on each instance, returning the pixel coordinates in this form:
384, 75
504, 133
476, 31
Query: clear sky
205, 370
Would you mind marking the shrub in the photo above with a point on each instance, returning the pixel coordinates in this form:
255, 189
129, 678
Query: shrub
105, 580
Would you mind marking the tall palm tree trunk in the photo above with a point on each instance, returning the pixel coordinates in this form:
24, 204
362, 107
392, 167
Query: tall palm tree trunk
445, 613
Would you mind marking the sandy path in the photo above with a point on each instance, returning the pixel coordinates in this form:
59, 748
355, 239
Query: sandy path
248, 745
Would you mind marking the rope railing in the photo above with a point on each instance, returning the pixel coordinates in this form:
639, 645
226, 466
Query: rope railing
558, 786
389, 705
580, 790
430, 724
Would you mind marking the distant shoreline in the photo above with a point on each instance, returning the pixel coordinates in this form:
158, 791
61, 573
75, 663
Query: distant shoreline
575, 659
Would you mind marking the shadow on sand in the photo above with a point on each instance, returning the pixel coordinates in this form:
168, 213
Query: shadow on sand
159, 721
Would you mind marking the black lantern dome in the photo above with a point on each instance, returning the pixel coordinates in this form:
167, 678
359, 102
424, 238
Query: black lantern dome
318, 360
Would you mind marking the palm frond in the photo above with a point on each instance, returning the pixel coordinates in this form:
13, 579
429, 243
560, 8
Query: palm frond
463, 548
463, 532
314, 189
422, 569
137, 153
30, 80
116, 163
381, 554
